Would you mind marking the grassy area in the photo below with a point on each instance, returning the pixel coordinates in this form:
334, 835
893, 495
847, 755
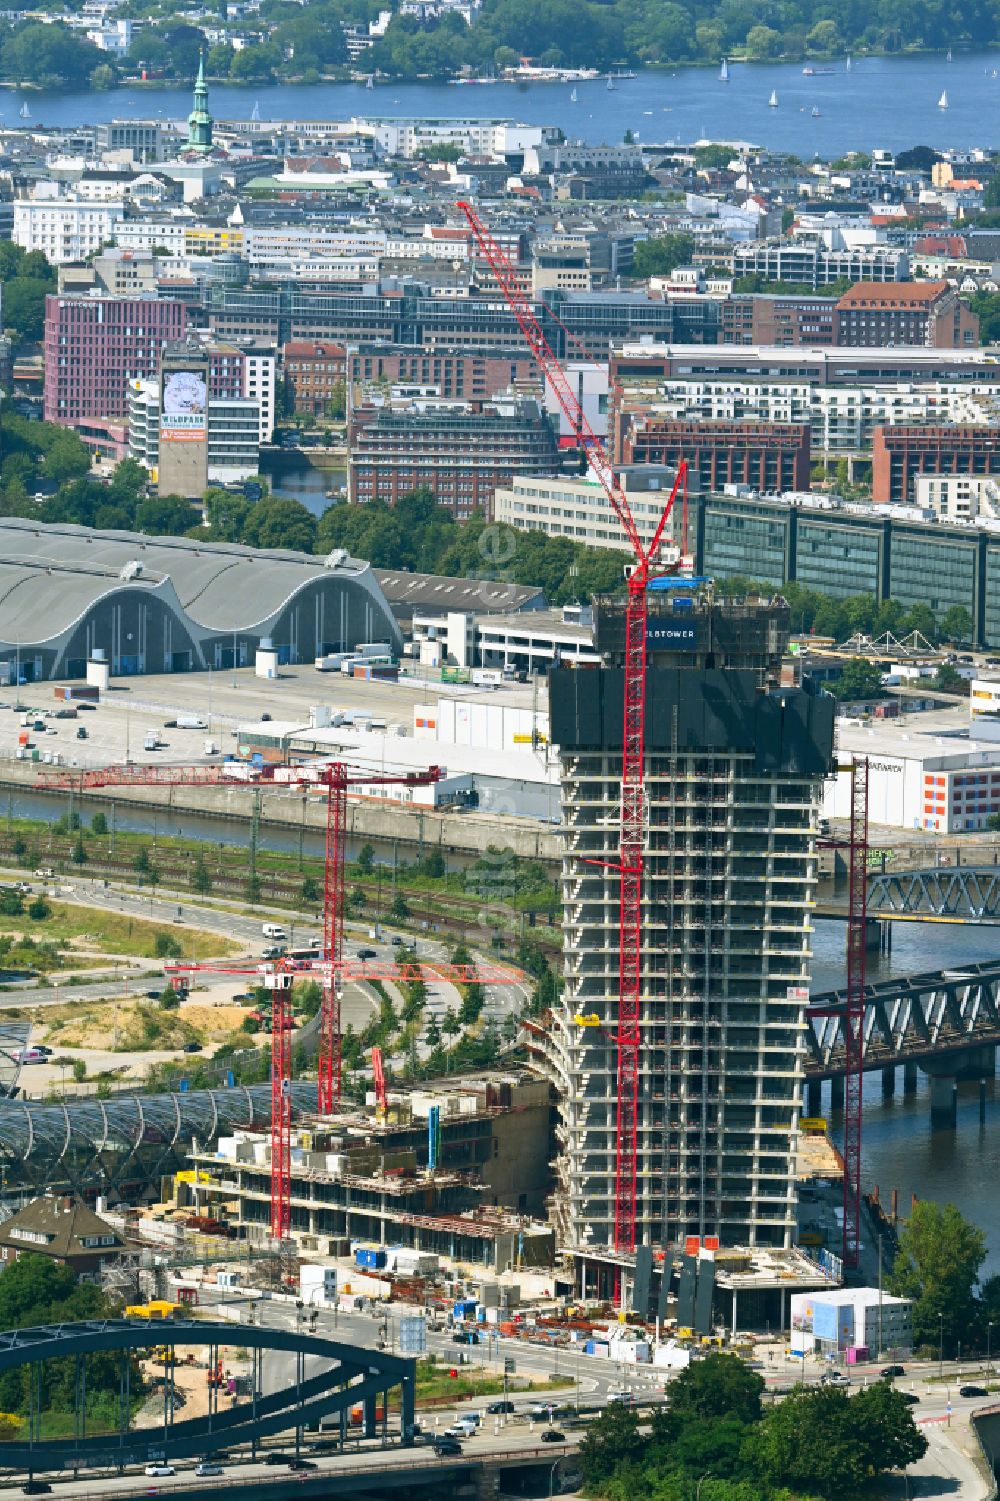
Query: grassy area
434, 1385
75, 931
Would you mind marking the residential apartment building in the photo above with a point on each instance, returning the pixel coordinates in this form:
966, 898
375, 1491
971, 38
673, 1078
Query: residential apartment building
814, 265
461, 451
95, 345
767, 456
899, 454
313, 374
65, 229
782, 322
737, 746
929, 313
233, 433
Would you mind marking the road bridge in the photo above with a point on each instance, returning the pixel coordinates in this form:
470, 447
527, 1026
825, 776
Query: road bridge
347, 1376
940, 893
947, 1021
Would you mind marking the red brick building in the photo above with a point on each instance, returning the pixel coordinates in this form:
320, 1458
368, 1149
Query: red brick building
465, 374
901, 453
313, 372
769, 456
874, 315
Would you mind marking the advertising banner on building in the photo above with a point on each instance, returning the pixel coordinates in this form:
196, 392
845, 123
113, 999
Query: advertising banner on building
672, 635
184, 414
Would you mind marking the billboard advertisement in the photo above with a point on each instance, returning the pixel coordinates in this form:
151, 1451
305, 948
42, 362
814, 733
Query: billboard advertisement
184, 407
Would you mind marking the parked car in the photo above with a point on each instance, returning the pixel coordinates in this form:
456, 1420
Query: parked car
159, 1470
81, 732
553, 1436
35, 1488
209, 1467
891, 1371
501, 1407
446, 1446
972, 1391
192, 1047
276, 1458
367, 954
302, 1464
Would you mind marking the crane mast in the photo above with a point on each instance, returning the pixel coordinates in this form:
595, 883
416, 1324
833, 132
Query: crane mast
630, 861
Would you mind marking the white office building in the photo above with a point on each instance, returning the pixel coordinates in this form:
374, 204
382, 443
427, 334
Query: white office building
579, 508
65, 229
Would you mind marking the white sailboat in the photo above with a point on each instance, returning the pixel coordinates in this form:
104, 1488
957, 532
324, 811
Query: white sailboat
772, 103
947, 56
724, 72
611, 84
255, 112
371, 82
815, 112
848, 65
943, 101
572, 97
24, 111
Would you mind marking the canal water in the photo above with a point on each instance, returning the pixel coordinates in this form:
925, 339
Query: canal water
882, 101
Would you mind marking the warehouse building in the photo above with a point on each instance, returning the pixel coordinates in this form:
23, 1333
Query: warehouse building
168, 604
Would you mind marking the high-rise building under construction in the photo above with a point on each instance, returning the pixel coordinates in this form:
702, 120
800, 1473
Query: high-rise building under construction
737, 745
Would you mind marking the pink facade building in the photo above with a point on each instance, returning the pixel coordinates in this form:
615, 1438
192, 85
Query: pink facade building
95, 345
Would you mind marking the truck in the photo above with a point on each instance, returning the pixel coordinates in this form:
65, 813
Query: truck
151, 741
191, 722
487, 677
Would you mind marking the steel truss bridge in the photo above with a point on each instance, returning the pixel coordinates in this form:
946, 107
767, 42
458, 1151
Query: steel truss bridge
348, 1377
912, 1019
958, 893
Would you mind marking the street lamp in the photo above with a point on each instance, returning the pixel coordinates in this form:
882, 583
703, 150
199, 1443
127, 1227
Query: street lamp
941, 1347
989, 1332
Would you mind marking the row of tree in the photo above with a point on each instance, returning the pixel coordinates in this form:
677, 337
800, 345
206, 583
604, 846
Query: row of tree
716, 1436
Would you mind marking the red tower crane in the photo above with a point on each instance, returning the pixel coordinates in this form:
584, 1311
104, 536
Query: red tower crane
378, 1074
629, 864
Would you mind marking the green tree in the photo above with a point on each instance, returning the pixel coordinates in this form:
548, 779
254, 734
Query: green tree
763, 42
886, 1432
859, 679
366, 859
718, 1386
611, 1441
39, 909
99, 825
940, 1254
311, 891
165, 946
956, 625
280, 523
201, 877
399, 911
661, 255
252, 889
226, 513
808, 1443
78, 854
11, 904
24, 308
141, 862
948, 679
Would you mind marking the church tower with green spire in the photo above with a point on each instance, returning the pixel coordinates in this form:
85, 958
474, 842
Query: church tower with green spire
199, 120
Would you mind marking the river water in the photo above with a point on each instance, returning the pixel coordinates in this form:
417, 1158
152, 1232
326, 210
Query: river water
883, 101
900, 1150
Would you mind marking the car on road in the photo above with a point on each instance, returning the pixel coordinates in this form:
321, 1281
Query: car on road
621, 1395
276, 1458
836, 1378
159, 1470
35, 1488
446, 1446
972, 1391
81, 732
302, 1464
910, 1398
209, 1467
465, 1337
553, 1436
891, 1371
501, 1407
192, 1047
367, 954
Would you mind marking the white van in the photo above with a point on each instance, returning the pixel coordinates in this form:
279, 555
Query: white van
274, 931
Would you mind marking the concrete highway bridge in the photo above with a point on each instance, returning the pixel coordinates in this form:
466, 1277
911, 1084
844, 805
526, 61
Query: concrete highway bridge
946, 1021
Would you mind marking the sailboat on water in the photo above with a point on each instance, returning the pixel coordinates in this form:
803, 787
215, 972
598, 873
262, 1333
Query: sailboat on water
611, 84
572, 97
724, 72
24, 111
947, 56
943, 101
848, 65
772, 103
255, 112
371, 82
